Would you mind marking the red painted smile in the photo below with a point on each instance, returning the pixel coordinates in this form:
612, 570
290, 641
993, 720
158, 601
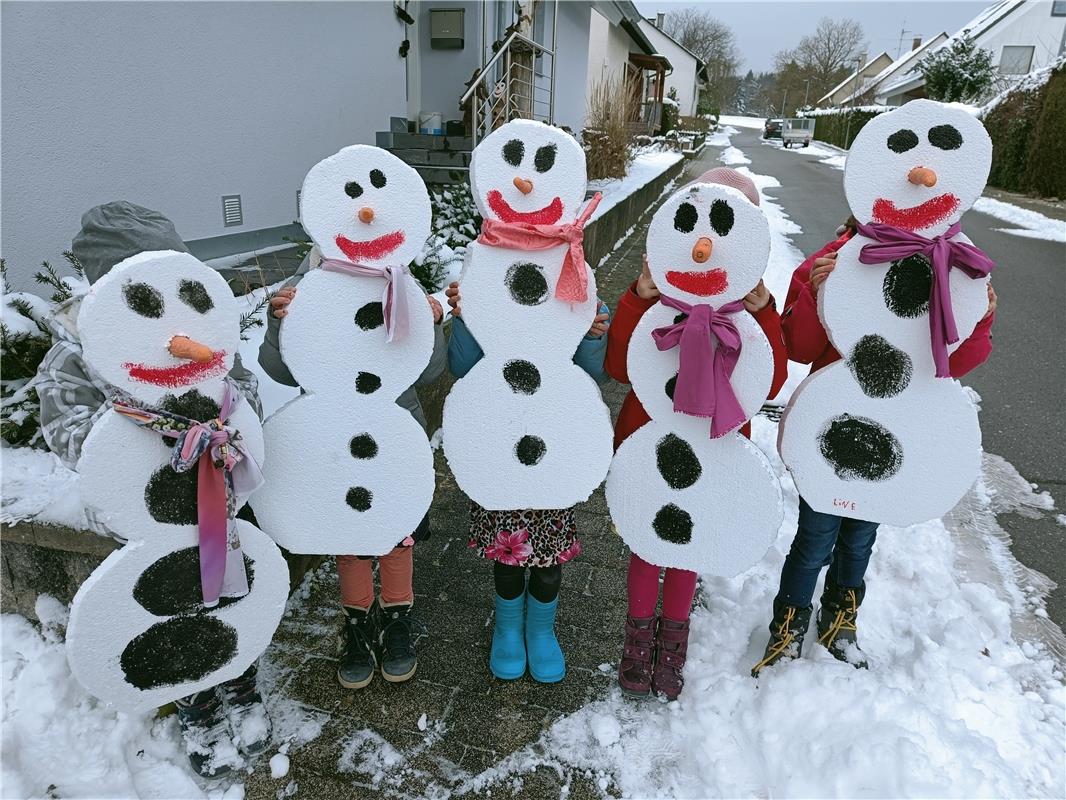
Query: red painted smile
704, 284
548, 215
932, 211
181, 375
374, 248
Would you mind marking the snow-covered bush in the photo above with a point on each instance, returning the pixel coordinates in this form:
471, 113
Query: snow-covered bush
671, 111
960, 71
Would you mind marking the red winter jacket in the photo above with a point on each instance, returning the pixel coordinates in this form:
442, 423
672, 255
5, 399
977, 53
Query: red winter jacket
631, 308
808, 343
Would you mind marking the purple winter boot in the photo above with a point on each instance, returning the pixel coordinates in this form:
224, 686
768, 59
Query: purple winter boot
634, 670
671, 649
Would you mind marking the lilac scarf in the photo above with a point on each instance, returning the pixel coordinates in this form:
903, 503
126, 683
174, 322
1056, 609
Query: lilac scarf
228, 470
703, 388
393, 299
892, 243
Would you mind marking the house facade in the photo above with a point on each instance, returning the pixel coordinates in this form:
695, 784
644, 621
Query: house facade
688, 76
213, 112
854, 83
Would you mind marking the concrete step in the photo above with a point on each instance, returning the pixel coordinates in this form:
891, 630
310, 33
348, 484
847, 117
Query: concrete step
421, 141
435, 158
443, 175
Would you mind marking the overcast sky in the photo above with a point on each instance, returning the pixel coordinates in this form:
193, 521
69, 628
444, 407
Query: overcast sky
763, 28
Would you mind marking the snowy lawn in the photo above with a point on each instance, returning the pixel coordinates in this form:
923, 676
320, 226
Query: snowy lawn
1024, 222
645, 168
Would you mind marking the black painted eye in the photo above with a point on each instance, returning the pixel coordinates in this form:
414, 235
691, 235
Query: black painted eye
903, 140
143, 299
721, 217
353, 189
946, 137
513, 152
194, 295
377, 178
544, 160
685, 218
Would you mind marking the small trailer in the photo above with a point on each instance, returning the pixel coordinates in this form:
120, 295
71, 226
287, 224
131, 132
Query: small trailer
799, 130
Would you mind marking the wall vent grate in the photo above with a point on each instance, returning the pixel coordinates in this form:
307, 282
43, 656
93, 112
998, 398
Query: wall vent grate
232, 213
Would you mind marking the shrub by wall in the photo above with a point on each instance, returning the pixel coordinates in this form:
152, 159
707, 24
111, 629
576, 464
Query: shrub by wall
831, 124
1046, 170
1010, 124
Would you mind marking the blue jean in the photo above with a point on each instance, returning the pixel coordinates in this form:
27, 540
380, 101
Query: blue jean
842, 544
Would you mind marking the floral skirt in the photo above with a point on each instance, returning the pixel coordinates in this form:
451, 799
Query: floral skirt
525, 537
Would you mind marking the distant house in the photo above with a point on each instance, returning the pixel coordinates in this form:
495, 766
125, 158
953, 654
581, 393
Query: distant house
1023, 35
853, 84
689, 75
868, 88
213, 112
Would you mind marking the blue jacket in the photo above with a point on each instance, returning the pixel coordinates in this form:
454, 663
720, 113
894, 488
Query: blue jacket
464, 352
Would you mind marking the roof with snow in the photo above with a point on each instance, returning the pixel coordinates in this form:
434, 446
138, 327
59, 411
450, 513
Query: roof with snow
900, 66
851, 77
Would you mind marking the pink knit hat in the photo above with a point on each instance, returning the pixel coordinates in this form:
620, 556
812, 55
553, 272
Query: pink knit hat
727, 176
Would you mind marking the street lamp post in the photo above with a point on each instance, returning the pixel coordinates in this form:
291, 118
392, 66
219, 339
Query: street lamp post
806, 91
858, 68
783, 101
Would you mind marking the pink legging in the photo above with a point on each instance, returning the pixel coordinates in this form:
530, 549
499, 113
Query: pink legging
679, 587
395, 570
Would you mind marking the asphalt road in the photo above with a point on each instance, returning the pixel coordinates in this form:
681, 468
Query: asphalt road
1022, 385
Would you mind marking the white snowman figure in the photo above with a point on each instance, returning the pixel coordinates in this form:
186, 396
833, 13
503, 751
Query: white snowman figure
349, 472
878, 435
194, 597
688, 491
526, 427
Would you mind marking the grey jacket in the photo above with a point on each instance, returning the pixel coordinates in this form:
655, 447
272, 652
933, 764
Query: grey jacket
271, 362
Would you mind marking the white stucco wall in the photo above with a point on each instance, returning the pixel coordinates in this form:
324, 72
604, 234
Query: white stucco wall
608, 50
571, 71
172, 105
683, 78
445, 72
1030, 24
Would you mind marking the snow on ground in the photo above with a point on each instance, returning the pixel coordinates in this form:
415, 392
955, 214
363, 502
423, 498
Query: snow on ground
742, 122
825, 153
1031, 224
36, 485
733, 157
645, 168
720, 138
952, 705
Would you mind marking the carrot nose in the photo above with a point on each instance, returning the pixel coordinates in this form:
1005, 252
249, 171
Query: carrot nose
366, 214
922, 176
184, 347
701, 251
523, 185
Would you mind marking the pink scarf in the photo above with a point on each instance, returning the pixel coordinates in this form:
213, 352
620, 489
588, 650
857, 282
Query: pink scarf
573, 282
892, 243
393, 299
703, 388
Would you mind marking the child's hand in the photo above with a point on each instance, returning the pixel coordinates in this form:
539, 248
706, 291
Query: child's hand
600, 323
992, 300
646, 288
280, 301
452, 293
438, 312
822, 267
758, 298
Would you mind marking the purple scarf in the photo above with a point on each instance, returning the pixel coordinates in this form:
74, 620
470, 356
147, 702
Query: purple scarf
892, 243
226, 469
703, 388
393, 299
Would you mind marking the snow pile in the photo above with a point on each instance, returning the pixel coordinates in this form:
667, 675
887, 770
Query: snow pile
952, 705
645, 168
1025, 83
732, 157
826, 154
742, 122
720, 138
1031, 224
37, 486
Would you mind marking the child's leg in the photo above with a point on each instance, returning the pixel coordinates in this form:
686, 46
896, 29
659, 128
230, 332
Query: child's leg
510, 580
845, 588
642, 582
816, 535
396, 573
851, 556
507, 659
356, 577
671, 637
544, 582
546, 662
679, 588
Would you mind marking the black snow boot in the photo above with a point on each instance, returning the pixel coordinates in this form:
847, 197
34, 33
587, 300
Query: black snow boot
206, 734
838, 623
787, 630
247, 715
358, 661
400, 632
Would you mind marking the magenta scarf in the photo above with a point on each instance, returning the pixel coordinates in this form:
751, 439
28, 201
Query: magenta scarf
393, 299
703, 388
573, 283
228, 470
892, 243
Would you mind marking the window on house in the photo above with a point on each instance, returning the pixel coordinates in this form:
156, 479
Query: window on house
1058, 9
1016, 59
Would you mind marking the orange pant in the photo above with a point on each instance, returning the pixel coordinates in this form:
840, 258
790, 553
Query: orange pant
395, 569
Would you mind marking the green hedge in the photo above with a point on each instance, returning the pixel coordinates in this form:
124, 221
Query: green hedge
833, 127
1028, 138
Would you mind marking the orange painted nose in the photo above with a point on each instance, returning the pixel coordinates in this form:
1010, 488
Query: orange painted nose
922, 176
366, 214
184, 347
701, 251
523, 185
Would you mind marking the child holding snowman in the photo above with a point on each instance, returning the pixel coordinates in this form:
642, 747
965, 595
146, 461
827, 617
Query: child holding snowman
73, 399
655, 647
534, 539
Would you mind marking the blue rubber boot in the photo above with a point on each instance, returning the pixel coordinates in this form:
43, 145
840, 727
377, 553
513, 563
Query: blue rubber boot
508, 658
546, 663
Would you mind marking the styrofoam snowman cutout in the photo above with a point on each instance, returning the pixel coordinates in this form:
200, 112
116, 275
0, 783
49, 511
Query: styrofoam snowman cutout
678, 497
526, 427
139, 634
348, 471
877, 436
